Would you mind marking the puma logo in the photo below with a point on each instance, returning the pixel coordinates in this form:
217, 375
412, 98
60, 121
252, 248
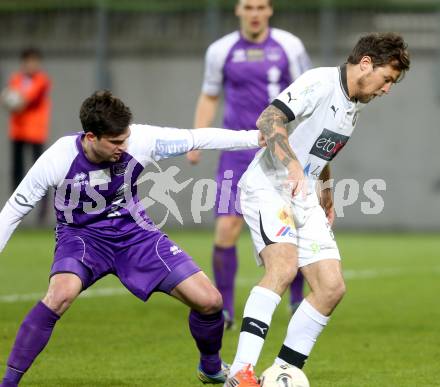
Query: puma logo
258, 327
290, 97
334, 110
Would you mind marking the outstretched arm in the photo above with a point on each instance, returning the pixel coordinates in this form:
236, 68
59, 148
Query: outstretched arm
149, 142
273, 125
203, 118
215, 138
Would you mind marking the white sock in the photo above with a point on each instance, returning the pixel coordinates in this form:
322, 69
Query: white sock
304, 328
257, 316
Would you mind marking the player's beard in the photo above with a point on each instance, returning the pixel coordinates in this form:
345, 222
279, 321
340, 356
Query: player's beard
361, 96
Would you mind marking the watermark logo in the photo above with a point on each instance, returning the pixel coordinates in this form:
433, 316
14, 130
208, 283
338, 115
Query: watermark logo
164, 183
119, 196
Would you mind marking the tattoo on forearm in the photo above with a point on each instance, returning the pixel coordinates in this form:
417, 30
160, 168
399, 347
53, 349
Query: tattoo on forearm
278, 143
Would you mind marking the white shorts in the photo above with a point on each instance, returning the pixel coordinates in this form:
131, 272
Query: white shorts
271, 220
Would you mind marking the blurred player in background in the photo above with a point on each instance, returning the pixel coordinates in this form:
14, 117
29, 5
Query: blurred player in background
27, 99
325, 102
251, 66
102, 228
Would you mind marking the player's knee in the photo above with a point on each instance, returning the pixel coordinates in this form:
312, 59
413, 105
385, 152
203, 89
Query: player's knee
212, 302
340, 291
59, 300
333, 293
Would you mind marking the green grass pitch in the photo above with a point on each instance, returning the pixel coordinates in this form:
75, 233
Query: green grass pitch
385, 332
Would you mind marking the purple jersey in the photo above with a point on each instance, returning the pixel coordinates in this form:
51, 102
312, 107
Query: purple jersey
102, 226
102, 198
251, 75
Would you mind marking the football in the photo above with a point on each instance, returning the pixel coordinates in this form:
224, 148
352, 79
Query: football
11, 99
284, 376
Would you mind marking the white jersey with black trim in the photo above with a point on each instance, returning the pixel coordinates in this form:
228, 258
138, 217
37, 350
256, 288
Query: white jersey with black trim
325, 117
100, 188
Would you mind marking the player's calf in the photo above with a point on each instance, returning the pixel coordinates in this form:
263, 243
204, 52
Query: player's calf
32, 337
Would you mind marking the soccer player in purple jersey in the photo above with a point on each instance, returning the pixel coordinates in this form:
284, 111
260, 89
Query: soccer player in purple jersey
252, 66
102, 228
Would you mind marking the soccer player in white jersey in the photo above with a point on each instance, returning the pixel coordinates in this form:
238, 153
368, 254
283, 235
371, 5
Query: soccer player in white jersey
290, 224
102, 228
251, 66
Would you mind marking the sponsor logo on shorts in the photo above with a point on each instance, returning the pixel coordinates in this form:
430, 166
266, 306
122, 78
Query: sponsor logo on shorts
286, 217
315, 247
175, 250
284, 231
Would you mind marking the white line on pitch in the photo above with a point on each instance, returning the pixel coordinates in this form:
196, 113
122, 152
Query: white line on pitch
247, 281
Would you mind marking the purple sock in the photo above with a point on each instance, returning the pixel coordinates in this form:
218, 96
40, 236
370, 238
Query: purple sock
296, 289
225, 267
32, 337
207, 330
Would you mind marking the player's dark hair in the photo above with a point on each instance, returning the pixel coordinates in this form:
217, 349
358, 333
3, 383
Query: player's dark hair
30, 52
269, 2
383, 49
103, 114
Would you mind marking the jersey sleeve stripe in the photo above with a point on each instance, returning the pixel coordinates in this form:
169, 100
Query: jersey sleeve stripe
284, 108
21, 212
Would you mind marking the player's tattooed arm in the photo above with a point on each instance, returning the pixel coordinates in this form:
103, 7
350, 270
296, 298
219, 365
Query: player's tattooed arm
272, 123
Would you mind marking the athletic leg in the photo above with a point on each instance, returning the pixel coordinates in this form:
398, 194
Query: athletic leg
327, 289
205, 322
225, 261
320, 264
206, 318
37, 327
280, 263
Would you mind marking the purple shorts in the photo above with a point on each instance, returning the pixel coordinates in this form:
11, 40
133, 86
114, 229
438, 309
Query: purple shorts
144, 261
231, 167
